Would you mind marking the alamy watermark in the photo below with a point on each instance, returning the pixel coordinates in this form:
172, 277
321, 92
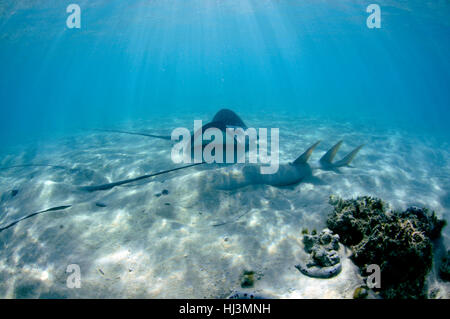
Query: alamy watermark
374, 279
74, 279
227, 145
374, 19
74, 19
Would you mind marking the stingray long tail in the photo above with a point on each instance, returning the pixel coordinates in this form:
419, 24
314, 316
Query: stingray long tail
98, 188
34, 214
164, 137
127, 181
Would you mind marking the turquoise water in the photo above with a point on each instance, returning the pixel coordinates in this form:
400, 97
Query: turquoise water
313, 69
138, 59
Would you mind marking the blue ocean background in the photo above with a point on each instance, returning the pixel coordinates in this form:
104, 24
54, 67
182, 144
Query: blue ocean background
311, 68
142, 59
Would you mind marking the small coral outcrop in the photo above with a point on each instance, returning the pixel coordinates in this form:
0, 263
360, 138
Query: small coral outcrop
400, 243
361, 293
247, 279
323, 260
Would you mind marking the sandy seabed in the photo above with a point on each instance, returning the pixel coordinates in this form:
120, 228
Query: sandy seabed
195, 242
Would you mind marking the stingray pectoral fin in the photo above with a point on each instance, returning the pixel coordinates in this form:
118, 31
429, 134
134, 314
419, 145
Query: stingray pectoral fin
302, 159
348, 158
327, 159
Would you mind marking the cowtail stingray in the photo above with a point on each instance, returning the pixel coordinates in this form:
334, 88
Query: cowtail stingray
222, 120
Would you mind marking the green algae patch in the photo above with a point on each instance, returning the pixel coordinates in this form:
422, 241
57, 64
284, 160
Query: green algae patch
247, 279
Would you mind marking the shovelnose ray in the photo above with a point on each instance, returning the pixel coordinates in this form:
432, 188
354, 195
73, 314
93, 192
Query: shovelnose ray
288, 174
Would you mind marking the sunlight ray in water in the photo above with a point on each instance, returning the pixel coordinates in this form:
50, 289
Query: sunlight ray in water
88, 176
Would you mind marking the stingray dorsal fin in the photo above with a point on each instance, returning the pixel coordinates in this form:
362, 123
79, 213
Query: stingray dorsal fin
348, 158
329, 156
302, 159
